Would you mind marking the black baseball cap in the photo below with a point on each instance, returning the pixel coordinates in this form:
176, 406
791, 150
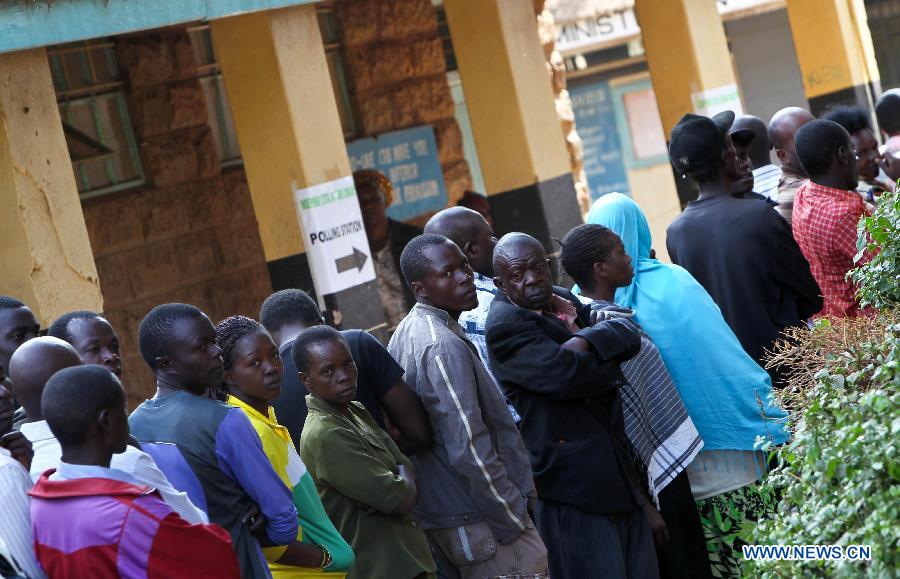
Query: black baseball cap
696, 142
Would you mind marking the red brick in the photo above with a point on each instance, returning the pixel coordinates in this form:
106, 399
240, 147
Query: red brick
180, 157
449, 141
164, 212
154, 269
196, 257
156, 57
113, 223
237, 200
428, 57
357, 20
401, 18
160, 109
375, 112
115, 276
422, 102
379, 64
228, 296
458, 180
238, 246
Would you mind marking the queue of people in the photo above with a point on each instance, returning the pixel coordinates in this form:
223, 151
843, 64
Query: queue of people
510, 428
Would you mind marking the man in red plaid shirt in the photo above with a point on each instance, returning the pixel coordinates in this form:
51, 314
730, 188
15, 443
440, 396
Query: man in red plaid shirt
827, 209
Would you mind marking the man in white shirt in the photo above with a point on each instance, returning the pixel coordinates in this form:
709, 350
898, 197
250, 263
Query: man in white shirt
16, 546
30, 368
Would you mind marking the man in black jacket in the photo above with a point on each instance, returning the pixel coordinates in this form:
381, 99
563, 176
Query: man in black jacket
739, 250
563, 377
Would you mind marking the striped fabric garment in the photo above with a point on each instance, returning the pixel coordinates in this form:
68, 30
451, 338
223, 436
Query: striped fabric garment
657, 424
15, 523
765, 181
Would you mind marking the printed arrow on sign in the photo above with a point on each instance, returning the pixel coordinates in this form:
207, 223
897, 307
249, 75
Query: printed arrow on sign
356, 259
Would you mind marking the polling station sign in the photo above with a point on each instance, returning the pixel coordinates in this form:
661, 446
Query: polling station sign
336, 244
409, 159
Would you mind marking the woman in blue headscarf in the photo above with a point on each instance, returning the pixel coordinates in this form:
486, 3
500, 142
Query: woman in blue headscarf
727, 394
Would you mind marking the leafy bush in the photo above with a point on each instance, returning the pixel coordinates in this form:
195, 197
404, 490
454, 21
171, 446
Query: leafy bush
839, 475
878, 279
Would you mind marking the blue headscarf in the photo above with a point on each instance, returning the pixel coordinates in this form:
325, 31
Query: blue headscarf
727, 394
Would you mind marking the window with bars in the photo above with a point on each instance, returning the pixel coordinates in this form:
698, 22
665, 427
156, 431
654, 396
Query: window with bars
217, 107
95, 119
219, 111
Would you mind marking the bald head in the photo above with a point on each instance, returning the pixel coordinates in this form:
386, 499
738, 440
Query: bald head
523, 273
470, 231
513, 244
782, 129
32, 365
760, 147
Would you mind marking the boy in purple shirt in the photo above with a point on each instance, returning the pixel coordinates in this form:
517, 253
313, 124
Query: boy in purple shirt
207, 448
93, 521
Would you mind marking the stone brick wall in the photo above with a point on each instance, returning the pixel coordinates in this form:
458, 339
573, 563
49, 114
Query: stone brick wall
556, 68
190, 235
395, 62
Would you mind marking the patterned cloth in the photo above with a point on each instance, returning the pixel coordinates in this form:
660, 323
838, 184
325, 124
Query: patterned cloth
656, 422
766, 180
390, 287
473, 322
16, 542
824, 224
315, 527
727, 520
91, 521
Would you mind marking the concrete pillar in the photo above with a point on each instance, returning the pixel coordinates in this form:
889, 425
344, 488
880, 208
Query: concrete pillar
521, 147
835, 53
690, 66
45, 255
290, 135
688, 58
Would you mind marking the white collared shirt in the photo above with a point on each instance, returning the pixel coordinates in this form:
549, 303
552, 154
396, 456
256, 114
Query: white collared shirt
134, 462
15, 523
765, 181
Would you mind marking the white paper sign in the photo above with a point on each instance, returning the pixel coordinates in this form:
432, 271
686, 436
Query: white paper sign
715, 100
336, 244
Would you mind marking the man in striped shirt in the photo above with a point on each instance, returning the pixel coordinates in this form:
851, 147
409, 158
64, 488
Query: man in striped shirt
16, 547
476, 480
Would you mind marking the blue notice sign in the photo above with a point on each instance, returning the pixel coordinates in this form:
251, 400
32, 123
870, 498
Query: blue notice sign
409, 159
595, 121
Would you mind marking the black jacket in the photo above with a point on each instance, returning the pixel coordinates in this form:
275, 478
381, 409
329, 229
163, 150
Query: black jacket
572, 419
743, 253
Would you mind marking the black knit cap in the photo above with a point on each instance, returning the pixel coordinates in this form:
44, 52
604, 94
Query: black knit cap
696, 141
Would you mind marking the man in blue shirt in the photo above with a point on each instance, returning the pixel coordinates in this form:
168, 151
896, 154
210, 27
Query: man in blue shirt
206, 448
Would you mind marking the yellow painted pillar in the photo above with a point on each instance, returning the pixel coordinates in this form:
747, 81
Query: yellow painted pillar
287, 123
691, 71
521, 146
835, 53
45, 254
688, 58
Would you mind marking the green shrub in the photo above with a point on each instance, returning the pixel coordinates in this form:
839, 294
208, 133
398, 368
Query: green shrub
839, 475
879, 280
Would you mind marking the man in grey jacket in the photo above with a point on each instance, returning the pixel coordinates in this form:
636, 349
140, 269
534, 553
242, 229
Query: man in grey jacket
475, 483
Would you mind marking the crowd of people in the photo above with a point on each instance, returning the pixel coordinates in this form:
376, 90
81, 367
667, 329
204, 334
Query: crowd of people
510, 428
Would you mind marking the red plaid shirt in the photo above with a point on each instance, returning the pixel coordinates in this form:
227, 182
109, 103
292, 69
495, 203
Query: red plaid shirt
824, 224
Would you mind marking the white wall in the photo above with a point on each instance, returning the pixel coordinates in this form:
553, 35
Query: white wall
766, 63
